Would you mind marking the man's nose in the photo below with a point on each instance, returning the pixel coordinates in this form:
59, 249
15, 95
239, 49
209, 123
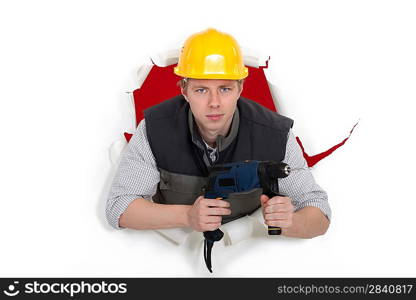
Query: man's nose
214, 99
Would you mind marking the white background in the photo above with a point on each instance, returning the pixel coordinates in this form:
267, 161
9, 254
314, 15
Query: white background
65, 68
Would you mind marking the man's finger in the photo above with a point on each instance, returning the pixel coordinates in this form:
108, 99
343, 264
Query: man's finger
279, 223
278, 208
217, 211
212, 219
276, 216
215, 202
279, 200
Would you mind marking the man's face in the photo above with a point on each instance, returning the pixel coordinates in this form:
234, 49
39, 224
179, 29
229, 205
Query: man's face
212, 102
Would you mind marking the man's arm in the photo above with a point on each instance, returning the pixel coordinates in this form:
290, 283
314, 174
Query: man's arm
307, 223
136, 177
143, 214
203, 215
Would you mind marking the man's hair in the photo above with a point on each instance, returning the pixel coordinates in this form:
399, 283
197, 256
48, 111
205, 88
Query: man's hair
184, 82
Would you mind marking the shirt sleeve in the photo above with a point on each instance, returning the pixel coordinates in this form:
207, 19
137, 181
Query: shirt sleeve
300, 185
136, 177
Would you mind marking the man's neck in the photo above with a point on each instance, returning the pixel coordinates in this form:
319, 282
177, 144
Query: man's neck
210, 136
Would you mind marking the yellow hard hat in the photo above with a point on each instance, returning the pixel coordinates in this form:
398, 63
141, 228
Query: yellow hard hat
211, 54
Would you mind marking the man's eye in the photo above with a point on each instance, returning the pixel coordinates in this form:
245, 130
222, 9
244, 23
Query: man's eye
201, 91
225, 89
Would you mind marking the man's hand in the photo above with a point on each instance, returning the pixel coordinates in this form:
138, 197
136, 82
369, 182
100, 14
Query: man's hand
277, 211
206, 214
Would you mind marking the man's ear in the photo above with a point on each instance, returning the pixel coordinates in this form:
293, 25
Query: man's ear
184, 93
241, 85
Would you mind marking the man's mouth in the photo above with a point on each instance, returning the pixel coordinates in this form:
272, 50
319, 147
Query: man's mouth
215, 117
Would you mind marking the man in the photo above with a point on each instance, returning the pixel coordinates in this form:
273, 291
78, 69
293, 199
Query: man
162, 172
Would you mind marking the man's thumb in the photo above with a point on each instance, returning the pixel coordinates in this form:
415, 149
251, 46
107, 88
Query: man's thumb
263, 199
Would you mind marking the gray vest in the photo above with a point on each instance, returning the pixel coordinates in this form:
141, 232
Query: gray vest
181, 156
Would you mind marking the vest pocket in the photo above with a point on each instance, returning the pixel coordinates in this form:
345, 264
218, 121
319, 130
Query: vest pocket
242, 204
178, 188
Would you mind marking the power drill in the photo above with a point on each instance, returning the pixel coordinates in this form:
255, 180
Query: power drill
229, 178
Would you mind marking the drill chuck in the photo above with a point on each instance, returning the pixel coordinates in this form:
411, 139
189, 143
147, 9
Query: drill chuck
274, 170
